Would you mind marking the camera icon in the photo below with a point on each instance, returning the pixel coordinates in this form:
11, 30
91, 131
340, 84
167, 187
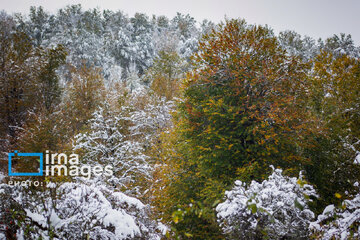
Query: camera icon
15, 153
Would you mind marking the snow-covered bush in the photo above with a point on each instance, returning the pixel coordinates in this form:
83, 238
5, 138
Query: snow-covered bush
274, 209
74, 211
339, 222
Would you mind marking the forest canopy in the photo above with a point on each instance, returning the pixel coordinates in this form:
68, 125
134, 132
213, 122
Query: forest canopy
211, 131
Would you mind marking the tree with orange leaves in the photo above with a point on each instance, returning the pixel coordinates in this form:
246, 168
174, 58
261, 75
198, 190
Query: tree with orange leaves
243, 109
245, 103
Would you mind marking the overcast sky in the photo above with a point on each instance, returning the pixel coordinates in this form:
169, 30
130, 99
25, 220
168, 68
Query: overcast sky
315, 18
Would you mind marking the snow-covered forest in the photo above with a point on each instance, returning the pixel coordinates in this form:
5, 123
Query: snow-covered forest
211, 130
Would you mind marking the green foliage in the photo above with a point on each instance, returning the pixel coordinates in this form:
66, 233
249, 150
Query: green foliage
243, 110
242, 105
335, 100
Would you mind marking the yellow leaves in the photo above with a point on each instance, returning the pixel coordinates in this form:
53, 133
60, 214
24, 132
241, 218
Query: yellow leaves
300, 182
338, 195
211, 102
204, 148
267, 137
177, 216
263, 124
243, 120
261, 141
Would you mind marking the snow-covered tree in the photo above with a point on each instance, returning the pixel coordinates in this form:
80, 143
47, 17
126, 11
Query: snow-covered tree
107, 143
152, 118
133, 80
296, 45
108, 39
273, 209
341, 45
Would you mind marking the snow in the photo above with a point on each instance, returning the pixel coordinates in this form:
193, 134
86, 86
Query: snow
329, 209
40, 219
95, 207
2, 176
54, 219
80, 208
123, 48
357, 159
338, 222
163, 228
269, 205
124, 224
51, 185
122, 198
106, 145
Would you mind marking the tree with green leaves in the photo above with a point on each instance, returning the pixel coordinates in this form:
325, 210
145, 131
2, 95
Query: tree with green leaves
244, 108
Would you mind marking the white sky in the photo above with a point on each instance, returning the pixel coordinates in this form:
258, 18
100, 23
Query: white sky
315, 18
